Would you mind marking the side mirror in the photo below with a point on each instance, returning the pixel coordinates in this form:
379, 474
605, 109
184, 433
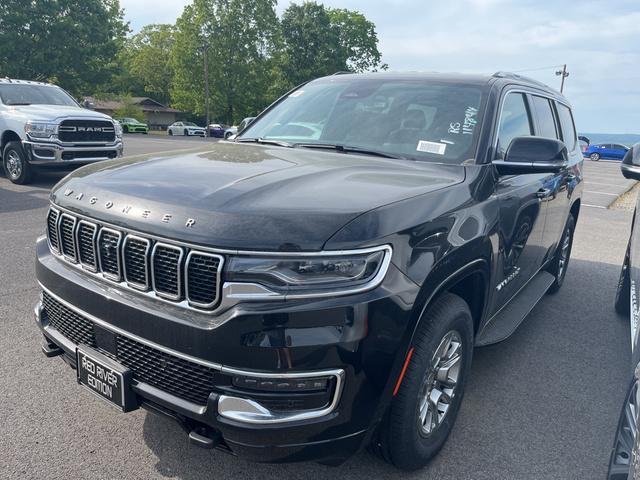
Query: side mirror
88, 104
533, 155
630, 165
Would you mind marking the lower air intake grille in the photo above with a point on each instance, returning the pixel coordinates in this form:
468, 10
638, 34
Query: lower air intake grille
179, 377
73, 326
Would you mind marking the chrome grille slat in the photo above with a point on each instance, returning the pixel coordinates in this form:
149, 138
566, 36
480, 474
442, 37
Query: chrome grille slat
136, 261
67, 236
109, 242
172, 273
202, 279
52, 229
166, 271
86, 241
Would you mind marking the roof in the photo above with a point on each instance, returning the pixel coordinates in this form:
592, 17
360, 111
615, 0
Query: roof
458, 78
146, 103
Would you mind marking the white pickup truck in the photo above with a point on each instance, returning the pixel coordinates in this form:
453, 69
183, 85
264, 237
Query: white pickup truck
42, 126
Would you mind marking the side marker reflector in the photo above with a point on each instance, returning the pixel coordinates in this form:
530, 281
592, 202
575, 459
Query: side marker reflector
404, 370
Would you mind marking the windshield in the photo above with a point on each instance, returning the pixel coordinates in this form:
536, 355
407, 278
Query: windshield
417, 119
131, 120
21, 94
189, 124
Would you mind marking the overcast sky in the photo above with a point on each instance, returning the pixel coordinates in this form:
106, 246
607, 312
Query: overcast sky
599, 40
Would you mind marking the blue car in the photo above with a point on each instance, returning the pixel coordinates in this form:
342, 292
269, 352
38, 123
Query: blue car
610, 151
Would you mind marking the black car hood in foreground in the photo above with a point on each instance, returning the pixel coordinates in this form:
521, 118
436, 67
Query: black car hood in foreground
239, 196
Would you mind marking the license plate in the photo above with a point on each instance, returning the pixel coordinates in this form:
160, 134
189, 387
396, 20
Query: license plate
105, 378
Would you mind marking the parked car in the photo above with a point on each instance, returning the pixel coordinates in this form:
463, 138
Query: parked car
216, 130
43, 127
319, 283
235, 129
186, 128
610, 151
625, 454
132, 125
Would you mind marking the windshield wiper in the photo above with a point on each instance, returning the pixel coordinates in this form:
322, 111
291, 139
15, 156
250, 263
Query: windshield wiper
350, 149
18, 103
266, 141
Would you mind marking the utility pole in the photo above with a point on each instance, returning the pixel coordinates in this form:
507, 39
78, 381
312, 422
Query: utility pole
205, 48
564, 75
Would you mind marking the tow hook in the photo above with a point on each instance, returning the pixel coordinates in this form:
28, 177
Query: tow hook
204, 438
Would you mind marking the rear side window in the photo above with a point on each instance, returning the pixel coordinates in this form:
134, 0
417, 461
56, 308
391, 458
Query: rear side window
544, 115
568, 127
515, 121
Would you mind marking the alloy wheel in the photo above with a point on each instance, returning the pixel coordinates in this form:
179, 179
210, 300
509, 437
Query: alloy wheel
13, 164
440, 382
564, 252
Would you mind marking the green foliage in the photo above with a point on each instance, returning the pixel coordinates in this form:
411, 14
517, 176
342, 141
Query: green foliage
71, 42
320, 41
147, 59
129, 109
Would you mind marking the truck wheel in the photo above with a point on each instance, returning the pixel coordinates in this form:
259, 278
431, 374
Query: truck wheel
15, 164
423, 411
560, 262
595, 157
623, 292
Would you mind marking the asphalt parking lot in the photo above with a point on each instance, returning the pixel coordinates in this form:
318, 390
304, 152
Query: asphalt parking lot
541, 405
137, 144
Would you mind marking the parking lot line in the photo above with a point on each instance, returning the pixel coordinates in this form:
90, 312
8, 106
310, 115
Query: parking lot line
593, 206
602, 193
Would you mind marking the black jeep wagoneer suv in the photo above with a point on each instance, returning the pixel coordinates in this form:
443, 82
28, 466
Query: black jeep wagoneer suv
318, 284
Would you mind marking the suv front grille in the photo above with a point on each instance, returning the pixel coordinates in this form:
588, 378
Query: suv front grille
171, 272
86, 131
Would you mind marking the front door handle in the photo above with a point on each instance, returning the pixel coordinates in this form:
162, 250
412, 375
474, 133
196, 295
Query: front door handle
543, 193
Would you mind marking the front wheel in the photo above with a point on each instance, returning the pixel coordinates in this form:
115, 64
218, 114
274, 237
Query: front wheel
424, 410
186, 132
595, 157
170, 132
15, 164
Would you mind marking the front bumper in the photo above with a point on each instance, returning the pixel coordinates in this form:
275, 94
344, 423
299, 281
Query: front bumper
55, 154
356, 340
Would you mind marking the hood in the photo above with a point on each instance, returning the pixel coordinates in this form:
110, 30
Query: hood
239, 196
51, 113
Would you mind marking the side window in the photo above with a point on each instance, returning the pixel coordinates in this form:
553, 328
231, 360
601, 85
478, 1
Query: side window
515, 121
568, 127
544, 115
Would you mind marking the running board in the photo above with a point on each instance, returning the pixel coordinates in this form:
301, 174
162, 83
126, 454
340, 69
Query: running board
505, 322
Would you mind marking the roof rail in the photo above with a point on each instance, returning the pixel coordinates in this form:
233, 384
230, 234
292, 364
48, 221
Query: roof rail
515, 76
341, 72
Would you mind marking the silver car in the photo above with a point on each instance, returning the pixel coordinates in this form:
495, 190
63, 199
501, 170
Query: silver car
186, 128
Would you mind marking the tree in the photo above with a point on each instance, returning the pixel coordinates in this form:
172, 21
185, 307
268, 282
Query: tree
71, 42
320, 41
147, 60
129, 110
238, 37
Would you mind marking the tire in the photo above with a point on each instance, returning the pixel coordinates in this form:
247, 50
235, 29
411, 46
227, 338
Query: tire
125, 129
227, 135
170, 132
560, 262
622, 303
594, 156
15, 164
625, 446
186, 132
410, 436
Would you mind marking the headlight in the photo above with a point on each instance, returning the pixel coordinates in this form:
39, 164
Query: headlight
337, 273
40, 129
118, 129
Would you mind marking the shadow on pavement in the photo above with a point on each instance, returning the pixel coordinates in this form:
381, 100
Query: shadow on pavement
17, 198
